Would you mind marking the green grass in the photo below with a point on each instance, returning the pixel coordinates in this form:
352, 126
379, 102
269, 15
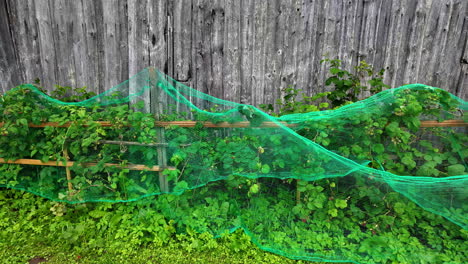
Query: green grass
169, 253
30, 227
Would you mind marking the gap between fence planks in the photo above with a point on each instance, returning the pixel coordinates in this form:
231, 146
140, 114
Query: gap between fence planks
244, 124
67, 164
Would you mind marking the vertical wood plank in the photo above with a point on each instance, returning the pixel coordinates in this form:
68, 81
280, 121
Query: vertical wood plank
89, 44
273, 58
182, 39
138, 50
10, 71
156, 13
47, 43
24, 30
462, 86
158, 55
232, 51
114, 32
258, 57
455, 29
246, 45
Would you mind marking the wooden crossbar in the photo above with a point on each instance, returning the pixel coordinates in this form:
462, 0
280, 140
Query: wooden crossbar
446, 123
244, 124
136, 167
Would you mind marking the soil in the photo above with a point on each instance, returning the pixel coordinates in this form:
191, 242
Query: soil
37, 260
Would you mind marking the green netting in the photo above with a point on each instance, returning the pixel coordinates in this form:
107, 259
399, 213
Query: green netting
365, 183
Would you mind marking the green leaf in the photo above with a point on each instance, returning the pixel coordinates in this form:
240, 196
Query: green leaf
34, 151
457, 169
326, 142
331, 80
182, 185
341, 203
335, 70
97, 214
265, 168
22, 121
408, 161
356, 149
139, 105
399, 208
254, 188
437, 159
333, 212
378, 148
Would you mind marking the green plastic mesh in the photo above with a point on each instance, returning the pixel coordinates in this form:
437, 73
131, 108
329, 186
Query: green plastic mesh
356, 184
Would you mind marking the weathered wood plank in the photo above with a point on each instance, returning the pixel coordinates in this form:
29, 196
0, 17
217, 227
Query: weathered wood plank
462, 86
201, 55
90, 46
243, 51
232, 51
139, 41
158, 33
46, 38
25, 33
115, 31
181, 29
258, 59
246, 53
9, 68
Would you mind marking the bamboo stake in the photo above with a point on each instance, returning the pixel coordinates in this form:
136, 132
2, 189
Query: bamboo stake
67, 169
136, 167
298, 193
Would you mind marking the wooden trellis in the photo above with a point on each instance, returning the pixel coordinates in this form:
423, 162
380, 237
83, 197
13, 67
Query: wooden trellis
161, 146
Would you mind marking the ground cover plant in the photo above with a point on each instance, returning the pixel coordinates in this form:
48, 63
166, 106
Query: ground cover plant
361, 182
34, 228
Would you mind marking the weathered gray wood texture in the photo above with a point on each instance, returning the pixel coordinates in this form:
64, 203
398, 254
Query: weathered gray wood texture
239, 50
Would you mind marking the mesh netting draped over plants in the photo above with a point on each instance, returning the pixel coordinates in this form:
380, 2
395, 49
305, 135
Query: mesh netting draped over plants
374, 181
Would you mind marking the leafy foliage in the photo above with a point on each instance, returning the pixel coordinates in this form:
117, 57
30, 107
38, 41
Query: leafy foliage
291, 102
348, 86
110, 233
355, 217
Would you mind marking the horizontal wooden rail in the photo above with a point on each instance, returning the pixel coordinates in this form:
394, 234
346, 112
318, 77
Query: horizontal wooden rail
136, 167
132, 143
244, 124
446, 123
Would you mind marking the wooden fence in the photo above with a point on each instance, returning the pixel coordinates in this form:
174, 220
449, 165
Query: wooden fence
239, 50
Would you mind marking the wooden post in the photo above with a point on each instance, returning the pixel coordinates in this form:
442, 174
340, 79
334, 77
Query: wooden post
157, 107
67, 170
298, 193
